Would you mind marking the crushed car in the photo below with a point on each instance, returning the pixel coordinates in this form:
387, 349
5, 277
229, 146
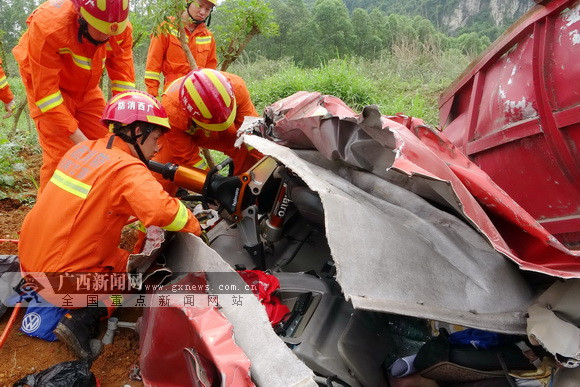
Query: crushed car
377, 227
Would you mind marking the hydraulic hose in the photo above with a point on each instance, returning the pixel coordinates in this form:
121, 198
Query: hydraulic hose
8, 326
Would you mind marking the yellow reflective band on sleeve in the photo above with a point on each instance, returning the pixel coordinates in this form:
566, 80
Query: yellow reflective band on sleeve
201, 164
152, 75
219, 86
197, 98
81, 61
203, 40
3, 82
249, 148
173, 31
122, 85
180, 219
49, 102
141, 227
218, 127
73, 186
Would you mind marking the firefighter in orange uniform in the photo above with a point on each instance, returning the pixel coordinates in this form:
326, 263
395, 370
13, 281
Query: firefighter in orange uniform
6, 95
205, 109
98, 185
61, 57
166, 56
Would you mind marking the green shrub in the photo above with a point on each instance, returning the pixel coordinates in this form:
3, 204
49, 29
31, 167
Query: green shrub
339, 78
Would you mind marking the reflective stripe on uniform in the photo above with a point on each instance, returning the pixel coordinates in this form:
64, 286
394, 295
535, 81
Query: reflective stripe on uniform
203, 39
49, 102
3, 82
81, 61
73, 186
122, 85
201, 164
173, 31
152, 75
180, 219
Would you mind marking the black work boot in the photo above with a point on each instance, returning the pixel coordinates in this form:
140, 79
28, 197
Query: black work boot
78, 327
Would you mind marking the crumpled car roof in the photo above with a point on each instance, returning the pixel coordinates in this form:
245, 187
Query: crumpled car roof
404, 150
414, 227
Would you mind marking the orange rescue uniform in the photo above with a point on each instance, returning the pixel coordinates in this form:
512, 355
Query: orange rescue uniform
181, 144
6, 95
166, 56
61, 77
76, 223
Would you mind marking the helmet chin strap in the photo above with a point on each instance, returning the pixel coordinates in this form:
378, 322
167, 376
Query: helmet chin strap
132, 139
84, 33
195, 21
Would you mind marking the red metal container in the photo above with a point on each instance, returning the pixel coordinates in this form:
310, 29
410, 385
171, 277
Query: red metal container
516, 113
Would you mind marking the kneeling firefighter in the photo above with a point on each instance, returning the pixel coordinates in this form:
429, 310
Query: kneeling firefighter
75, 226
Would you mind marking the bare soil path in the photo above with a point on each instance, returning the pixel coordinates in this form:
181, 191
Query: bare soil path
22, 355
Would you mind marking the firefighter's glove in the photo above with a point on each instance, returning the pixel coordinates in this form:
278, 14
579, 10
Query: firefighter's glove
206, 218
9, 107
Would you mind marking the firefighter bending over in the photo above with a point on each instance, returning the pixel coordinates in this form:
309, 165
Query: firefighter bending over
165, 55
61, 59
205, 109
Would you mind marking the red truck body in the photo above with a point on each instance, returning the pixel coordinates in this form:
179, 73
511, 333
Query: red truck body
515, 112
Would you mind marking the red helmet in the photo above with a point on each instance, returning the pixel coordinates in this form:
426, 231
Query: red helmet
108, 16
135, 105
208, 97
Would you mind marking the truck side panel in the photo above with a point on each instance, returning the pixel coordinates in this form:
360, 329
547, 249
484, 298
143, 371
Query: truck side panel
516, 113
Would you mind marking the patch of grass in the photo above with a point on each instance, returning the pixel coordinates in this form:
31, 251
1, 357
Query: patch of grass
260, 69
339, 78
15, 138
408, 81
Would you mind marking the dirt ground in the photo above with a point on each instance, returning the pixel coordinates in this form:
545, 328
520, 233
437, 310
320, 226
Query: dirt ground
22, 355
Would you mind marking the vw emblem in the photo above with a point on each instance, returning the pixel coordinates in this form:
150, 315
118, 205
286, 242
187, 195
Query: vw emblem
31, 322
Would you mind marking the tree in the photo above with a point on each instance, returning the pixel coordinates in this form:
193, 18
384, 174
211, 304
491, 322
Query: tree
13, 20
361, 30
334, 29
239, 22
471, 44
276, 46
301, 43
366, 39
377, 20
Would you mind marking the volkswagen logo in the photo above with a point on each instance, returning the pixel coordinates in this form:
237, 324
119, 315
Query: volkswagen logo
31, 322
